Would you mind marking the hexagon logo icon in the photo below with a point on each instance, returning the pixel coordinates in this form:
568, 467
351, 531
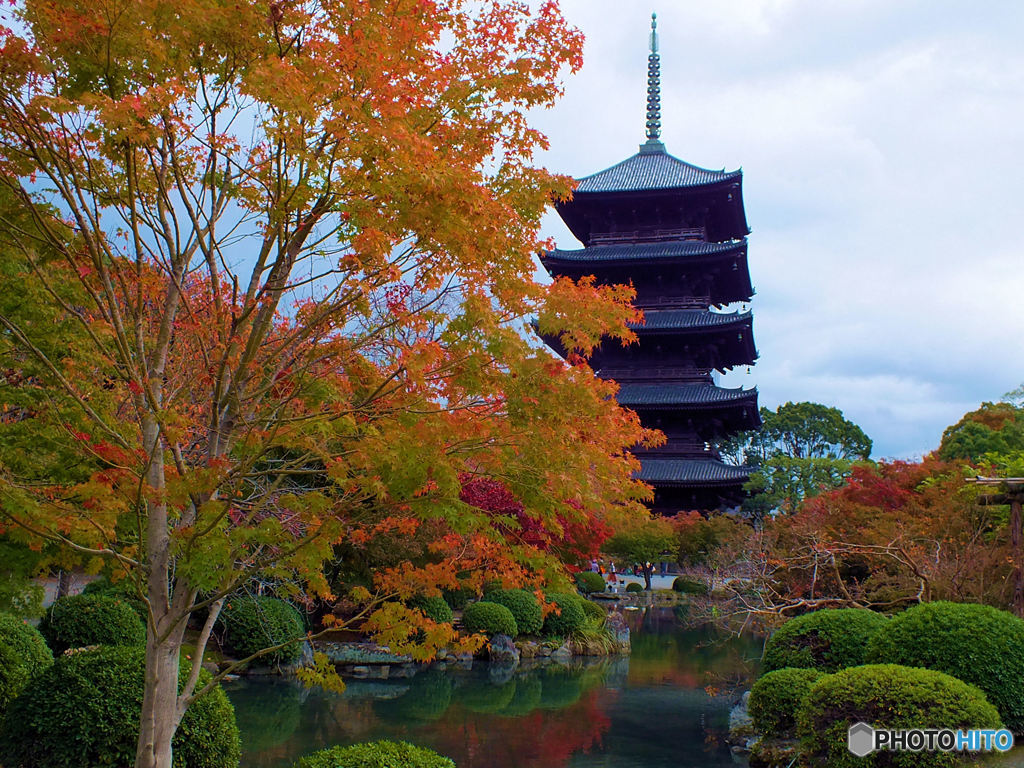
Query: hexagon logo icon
860, 739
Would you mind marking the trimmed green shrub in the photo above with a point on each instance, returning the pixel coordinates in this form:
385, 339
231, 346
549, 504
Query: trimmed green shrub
80, 620
589, 582
830, 640
568, 618
84, 710
23, 655
122, 590
776, 697
524, 607
689, 586
434, 608
593, 610
489, 618
978, 644
887, 696
251, 624
376, 754
634, 587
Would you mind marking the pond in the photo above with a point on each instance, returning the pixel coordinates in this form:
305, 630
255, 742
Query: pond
666, 705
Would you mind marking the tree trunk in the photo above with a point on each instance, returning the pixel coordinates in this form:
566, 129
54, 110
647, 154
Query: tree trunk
63, 584
159, 704
1018, 572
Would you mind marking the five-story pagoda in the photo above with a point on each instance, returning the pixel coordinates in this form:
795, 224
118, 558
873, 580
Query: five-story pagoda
678, 233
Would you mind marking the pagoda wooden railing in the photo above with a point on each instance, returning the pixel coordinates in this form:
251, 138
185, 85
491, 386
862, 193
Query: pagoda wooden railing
674, 302
648, 235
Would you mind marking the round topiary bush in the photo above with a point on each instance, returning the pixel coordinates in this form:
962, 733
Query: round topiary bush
776, 697
634, 587
434, 608
887, 696
567, 618
251, 624
80, 620
524, 607
593, 610
376, 754
830, 640
84, 710
975, 643
121, 590
23, 655
589, 582
490, 619
689, 586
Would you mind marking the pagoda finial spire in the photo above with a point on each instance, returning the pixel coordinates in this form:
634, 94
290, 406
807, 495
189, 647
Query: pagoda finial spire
654, 84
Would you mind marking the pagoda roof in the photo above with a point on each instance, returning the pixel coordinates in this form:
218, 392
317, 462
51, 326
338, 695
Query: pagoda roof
652, 168
672, 395
690, 472
687, 319
642, 251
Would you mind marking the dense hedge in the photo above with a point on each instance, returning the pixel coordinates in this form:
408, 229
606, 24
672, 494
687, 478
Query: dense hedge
23, 655
776, 697
524, 607
434, 608
489, 618
122, 590
589, 582
250, 624
84, 711
80, 620
689, 586
830, 639
376, 754
888, 696
634, 587
976, 643
568, 618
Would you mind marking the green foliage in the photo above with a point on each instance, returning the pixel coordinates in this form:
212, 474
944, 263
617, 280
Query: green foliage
122, 590
251, 624
776, 698
976, 643
23, 655
801, 449
457, 598
649, 541
888, 696
689, 586
84, 710
589, 582
490, 619
830, 639
434, 608
593, 610
19, 593
76, 621
634, 587
376, 754
994, 428
524, 607
568, 618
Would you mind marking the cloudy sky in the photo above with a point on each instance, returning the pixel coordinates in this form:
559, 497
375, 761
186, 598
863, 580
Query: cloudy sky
882, 145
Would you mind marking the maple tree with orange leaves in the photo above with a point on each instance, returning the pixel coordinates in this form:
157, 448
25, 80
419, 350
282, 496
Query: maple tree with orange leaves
291, 245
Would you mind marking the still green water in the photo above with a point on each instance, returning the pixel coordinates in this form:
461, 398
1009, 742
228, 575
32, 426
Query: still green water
666, 705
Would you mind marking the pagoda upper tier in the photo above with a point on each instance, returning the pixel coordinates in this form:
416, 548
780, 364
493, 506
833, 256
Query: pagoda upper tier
654, 197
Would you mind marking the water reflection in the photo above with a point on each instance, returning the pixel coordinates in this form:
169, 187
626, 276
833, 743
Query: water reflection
667, 705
